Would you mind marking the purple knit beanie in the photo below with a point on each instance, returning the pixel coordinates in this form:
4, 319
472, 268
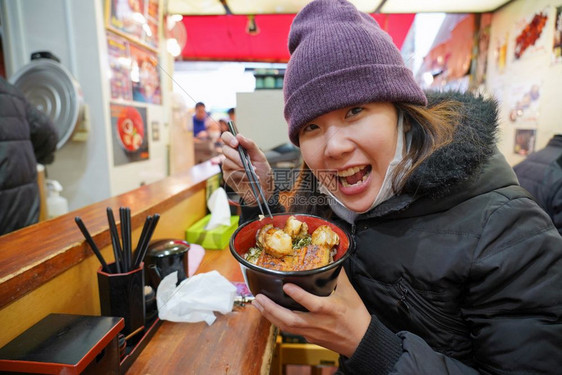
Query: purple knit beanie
341, 57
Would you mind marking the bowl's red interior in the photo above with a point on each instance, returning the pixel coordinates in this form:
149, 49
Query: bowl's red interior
246, 236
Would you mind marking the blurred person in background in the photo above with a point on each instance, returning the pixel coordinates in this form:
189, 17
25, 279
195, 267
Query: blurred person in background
231, 115
27, 137
541, 174
223, 125
200, 120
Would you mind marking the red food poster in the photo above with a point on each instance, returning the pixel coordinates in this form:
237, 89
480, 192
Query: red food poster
529, 35
129, 134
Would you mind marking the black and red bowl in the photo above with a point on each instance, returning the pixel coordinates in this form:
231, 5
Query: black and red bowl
319, 281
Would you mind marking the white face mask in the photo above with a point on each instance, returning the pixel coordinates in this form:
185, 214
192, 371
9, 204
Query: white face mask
385, 191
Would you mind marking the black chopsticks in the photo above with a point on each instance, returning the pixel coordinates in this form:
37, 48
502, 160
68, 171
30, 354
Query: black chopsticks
252, 176
125, 259
146, 235
91, 242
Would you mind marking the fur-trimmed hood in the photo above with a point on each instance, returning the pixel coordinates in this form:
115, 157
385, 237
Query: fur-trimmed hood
473, 144
470, 165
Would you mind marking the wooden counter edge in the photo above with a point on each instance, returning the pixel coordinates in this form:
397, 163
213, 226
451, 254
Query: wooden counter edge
36, 254
269, 351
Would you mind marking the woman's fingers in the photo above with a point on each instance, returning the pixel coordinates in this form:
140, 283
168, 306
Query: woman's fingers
232, 156
255, 154
281, 317
337, 322
308, 301
229, 139
233, 169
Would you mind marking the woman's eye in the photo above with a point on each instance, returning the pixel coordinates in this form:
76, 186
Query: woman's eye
309, 127
353, 111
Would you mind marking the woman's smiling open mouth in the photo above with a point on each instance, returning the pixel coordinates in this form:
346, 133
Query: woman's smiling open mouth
354, 176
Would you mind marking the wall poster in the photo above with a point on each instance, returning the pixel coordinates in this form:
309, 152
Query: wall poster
483, 46
136, 19
129, 134
557, 42
133, 71
119, 60
529, 35
524, 103
145, 75
524, 141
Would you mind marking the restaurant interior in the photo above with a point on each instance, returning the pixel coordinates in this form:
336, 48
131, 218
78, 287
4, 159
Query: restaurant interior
89, 64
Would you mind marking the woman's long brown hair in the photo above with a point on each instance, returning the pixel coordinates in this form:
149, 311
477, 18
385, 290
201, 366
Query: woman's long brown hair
431, 128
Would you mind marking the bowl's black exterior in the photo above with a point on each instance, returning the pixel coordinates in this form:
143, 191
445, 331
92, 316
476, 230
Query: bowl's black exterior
271, 286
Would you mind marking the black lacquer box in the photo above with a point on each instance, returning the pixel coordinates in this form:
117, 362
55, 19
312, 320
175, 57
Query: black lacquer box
65, 344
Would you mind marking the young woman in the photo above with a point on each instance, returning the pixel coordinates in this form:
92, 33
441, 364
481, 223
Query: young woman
456, 268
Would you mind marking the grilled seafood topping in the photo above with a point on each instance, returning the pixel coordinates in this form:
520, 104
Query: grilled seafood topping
324, 235
274, 241
295, 228
293, 248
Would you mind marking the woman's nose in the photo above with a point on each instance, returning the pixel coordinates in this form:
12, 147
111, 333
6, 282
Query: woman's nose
338, 142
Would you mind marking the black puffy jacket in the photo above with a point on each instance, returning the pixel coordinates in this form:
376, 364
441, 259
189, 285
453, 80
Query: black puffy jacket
27, 136
462, 272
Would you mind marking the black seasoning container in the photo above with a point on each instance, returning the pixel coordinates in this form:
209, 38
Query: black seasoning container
65, 344
164, 257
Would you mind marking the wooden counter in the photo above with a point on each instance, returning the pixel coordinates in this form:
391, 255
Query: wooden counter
241, 342
48, 267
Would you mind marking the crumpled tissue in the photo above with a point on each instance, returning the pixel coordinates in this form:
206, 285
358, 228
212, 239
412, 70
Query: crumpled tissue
220, 209
195, 299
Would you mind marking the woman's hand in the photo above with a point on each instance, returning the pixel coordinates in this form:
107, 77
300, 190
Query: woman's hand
233, 170
337, 322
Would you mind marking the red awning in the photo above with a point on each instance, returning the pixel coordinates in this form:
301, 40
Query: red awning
226, 38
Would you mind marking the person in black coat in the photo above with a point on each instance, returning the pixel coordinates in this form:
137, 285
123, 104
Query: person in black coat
541, 174
27, 137
456, 269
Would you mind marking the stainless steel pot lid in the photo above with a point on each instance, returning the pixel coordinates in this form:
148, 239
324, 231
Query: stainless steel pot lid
50, 87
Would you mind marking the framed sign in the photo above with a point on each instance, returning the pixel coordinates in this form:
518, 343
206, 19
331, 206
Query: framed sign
129, 134
145, 75
135, 19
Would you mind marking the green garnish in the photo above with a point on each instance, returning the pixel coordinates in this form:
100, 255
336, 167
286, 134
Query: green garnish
299, 243
253, 254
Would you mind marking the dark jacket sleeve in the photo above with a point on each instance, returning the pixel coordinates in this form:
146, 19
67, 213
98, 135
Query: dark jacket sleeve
513, 305
382, 352
43, 135
552, 190
557, 208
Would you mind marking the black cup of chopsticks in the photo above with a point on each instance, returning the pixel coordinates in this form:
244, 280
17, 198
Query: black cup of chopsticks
125, 259
121, 283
